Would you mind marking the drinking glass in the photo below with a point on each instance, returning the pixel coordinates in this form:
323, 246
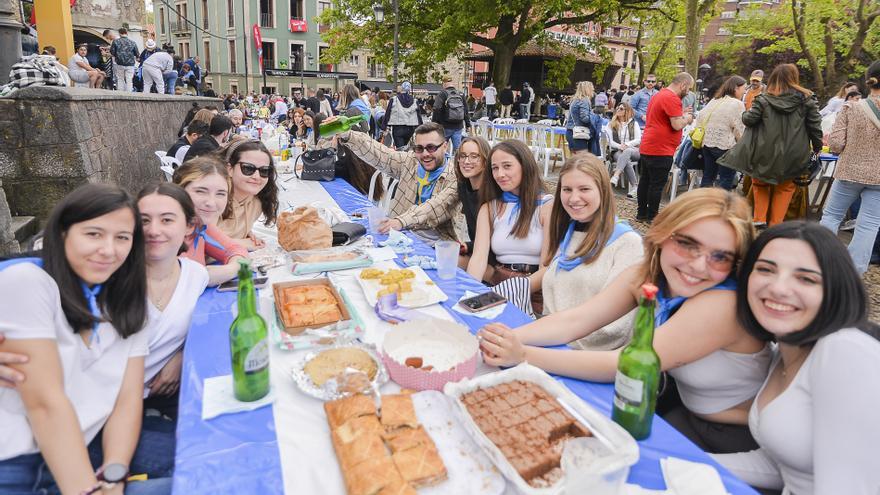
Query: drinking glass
446, 254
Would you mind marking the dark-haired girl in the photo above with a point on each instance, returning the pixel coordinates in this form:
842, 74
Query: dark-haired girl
815, 417
77, 313
254, 192
173, 287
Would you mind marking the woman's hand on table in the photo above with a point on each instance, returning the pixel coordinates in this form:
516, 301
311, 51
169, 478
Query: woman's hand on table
256, 241
388, 224
8, 376
500, 345
167, 381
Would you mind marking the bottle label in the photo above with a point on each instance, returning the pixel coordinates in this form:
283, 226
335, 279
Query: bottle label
257, 358
628, 391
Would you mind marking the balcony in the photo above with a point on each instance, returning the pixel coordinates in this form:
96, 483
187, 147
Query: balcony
180, 26
266, 20
480, 79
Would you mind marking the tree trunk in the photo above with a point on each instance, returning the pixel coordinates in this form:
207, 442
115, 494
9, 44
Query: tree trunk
666, 42
502, 65
639, 35
798, 13
693, 22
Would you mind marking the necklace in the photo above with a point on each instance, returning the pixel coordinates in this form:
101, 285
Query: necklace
793, 363
161, 290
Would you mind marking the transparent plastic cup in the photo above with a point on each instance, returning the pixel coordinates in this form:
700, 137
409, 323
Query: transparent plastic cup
375, 215
446, 254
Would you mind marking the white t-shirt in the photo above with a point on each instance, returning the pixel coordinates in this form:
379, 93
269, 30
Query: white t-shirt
490, 93
166, 330
30, 308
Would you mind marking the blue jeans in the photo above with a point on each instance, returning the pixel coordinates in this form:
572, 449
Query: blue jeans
711, 169
454, 133
843, 194
575, 144
170, 82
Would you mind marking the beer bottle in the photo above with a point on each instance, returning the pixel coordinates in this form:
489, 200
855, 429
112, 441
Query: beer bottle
638, 372
339, 124
248, 342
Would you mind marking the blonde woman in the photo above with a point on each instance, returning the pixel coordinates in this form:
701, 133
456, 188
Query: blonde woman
579, 114
690, 253
588, 248
624, 136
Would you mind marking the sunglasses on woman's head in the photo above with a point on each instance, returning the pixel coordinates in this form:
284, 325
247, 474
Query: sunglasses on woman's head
248, 169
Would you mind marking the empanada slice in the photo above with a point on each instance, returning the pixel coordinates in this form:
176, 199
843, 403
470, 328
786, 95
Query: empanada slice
341, 410
363, 448
407, 439
421, 466
355, 427
370, 476
398, 412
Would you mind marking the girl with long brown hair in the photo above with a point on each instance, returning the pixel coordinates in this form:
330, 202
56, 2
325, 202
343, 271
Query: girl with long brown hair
624, 136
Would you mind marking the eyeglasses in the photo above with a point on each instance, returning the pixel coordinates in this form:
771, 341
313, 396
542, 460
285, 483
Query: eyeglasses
717, 260
248, 169
430, 148
472, 157
621, 108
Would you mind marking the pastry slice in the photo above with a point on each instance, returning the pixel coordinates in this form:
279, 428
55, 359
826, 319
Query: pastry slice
398, 412
297, 315
371, 476
355, 427
294, 295
363, 448
398, 486
407, 438
342, 410
421, 466
326, 313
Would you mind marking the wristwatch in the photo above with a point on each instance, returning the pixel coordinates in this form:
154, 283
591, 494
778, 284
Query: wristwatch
108, 476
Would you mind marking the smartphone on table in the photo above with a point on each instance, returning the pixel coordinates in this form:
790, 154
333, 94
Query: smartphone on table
232, 285
482, 301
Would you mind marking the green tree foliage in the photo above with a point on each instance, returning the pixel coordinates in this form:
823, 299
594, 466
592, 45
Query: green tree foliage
559, 71
432, 31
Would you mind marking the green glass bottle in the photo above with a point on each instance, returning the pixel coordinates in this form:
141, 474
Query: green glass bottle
340, 124
248, 342
638, 372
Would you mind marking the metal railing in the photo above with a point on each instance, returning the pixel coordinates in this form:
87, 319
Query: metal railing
180, 26
266, 19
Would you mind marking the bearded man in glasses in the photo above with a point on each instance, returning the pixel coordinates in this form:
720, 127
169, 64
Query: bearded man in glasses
640, 99
422, 174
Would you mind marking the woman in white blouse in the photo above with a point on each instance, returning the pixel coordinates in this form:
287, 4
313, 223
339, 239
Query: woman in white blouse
815, 417
624, 136
723, 125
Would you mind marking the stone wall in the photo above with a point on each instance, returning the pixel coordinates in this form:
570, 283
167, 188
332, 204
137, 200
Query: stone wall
54, 139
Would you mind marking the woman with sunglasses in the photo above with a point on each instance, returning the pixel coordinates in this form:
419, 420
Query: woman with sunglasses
624, 136
815, 416
78, 313
691, 250
513, 219
206, 180
254, 192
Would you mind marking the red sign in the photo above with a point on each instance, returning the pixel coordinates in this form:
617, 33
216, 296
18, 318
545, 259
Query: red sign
258, 42
299, 26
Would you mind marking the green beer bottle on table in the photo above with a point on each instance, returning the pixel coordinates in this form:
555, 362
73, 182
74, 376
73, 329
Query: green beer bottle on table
638, 372
339, 124
248, 342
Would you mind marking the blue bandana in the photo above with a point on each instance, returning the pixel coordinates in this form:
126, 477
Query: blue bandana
427, 181
509, 197
666, 306
201, 233
564, 263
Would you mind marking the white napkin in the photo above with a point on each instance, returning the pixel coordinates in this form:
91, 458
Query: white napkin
488, 314
218, 398
381, 254
691, 478
630, 489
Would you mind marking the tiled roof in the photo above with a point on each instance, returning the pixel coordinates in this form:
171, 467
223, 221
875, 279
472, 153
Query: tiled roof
551, 49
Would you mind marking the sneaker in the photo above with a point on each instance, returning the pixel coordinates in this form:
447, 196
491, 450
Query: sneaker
615, 179
759, 225
633, 189
848, 226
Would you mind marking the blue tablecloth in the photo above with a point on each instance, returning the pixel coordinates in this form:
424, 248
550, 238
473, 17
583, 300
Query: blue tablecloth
238, 453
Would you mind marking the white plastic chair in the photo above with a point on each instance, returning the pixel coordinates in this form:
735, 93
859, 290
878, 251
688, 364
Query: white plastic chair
545, 143
483, 128
169, 163
390, 185
160, 154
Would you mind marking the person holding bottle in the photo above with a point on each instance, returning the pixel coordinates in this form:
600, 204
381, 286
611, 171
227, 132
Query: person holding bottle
254, 192
691, 250
206, 180
815, 415
78, 314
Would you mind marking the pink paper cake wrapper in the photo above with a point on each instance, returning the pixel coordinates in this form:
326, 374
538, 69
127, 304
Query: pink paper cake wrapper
447, 346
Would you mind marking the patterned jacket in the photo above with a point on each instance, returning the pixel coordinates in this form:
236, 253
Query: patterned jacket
403, 166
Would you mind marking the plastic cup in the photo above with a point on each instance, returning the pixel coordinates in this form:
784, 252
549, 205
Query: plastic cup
376, 215
446, 254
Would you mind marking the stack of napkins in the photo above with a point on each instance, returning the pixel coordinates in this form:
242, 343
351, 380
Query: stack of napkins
218, 398
683, 478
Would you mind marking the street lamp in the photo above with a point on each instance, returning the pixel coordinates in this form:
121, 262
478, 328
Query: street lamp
701, 72
379, 14
303, 57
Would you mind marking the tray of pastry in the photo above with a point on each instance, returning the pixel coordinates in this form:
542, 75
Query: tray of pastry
308, 304
413, 286
522, 418
410, 445
336, 371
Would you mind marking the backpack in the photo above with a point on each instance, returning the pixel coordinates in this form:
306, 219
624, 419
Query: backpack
454, 107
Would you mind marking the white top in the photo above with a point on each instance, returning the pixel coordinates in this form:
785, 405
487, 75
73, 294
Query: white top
509, 249
30, 308
166, 330
821, 435
722, 118
835, 104
490, 93
721, 380
162, 60
74, 66
566, 289
623, 134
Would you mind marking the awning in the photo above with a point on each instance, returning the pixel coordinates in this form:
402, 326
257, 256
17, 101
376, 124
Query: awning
389, 87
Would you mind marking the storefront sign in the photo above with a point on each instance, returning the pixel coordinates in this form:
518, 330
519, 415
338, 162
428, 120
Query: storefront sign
310, 73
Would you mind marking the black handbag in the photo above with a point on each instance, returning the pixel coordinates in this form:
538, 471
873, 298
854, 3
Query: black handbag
317, 165
814, 167
347, 232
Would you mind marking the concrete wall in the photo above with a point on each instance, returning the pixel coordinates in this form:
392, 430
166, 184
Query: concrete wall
54, 139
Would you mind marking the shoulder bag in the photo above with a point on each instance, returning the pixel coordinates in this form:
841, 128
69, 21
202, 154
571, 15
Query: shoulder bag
580, 131
317, 165
699, 132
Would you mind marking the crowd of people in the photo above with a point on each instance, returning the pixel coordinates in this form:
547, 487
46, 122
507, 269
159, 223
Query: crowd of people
761, 324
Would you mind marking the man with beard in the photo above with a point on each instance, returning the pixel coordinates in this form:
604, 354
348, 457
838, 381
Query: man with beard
664, 121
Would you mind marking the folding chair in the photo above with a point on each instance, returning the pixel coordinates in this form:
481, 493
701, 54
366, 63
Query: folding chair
168, 164
160, 154
390, 185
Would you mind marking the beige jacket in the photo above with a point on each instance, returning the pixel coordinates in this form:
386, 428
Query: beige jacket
403, 166
857, 139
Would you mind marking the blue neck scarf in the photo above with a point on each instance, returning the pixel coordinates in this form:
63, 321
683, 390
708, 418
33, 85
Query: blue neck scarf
426, 182
509, 197
201, 233
567, 264
667, 306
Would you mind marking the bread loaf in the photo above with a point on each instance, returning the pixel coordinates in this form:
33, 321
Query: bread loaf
302, 229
